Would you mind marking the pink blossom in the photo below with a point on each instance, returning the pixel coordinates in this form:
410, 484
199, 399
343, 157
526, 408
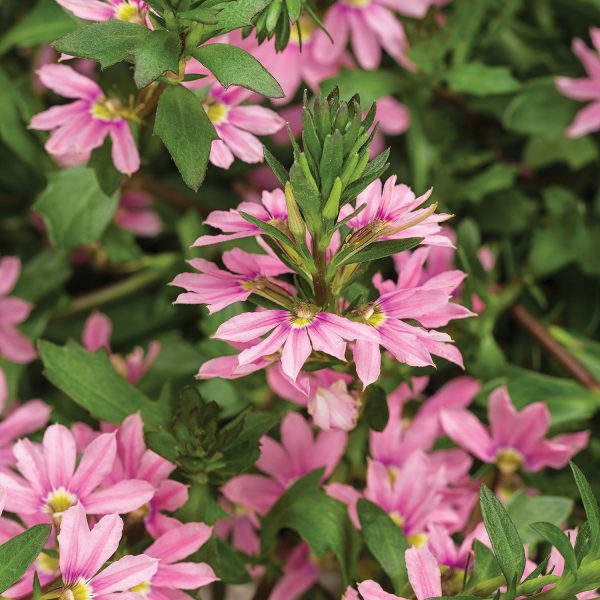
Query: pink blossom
133, 11
298, 454
14, 346
299, 575
515, 440
371, 25
391, 212
217, 288
237, 124
172, 575
424, 576
296, 332
49, 483
96, 334
135, 214
81, 126
234, 227
585, 88
83, 552
450, 554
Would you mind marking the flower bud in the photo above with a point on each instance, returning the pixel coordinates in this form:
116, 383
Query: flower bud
295, 221
332, 206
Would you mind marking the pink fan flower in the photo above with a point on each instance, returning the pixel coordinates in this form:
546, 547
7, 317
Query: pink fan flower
325, 394
272, 209
371, 25
217, 288
424, 576
299, 575
407, 343
134, 11
96, 334
81, 126
135, 461
296, 332
49, 483
515, 440
135, 214
237, 125
172, 576
585, 88
298, 454
21, 420
14, 346
83, 552
391, 212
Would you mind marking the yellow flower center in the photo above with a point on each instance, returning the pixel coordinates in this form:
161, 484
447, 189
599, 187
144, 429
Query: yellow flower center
47, 564
307, 27
129, 11
305, 313
141, 588
418, 540
397, 518
371, 314
508, 461
106, 110
357, 3
58, 501
78, 591
216, 112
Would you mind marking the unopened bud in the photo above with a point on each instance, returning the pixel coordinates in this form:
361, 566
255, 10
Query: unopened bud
306, 170
349, 168
332, 206
360, 167
295, 221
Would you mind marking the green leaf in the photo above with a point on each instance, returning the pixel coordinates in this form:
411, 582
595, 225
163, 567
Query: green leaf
525, 510
560, 541
182, 125
235, 15
91, 381
495, 178
320, 520
592, 510
385, 541
268, 229
540, 109
372, 84
376, 408
233, 66
379, 250
485, 566
108, 42
576, 152
278, 169
481, 80
158, 53
19, 552
41, 25
330, 165
307, 197
74, 208
507, 545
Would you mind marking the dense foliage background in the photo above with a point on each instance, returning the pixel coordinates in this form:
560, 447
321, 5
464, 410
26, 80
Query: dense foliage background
486, 129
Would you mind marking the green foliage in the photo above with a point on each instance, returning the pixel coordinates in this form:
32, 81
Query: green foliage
156, 54
376, 408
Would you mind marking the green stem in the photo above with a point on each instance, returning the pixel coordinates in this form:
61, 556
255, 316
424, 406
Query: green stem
319, 279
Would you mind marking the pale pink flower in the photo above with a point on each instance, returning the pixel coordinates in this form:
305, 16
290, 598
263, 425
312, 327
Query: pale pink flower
515, 440
135, 213
392, 212
272, 209
298, 454
218, 288
371, 25
83, 552
299, 575
96, 334
424, 576
133, 11
450, 554
81, 126
297, 333
229, 367
14, 346
237, 125
172, 575
585, 88
49, 483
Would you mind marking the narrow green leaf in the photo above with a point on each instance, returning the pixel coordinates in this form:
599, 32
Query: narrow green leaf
268, 229
19, 552
560, 541
307, 197
485, 567
91, 381
158, 53
235, 15
182, 125
233, 66
507, 545
385, 541
481, 80
108, 42
590, 504
379, 250
376, 408
74, 208
278, 169
330, 165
